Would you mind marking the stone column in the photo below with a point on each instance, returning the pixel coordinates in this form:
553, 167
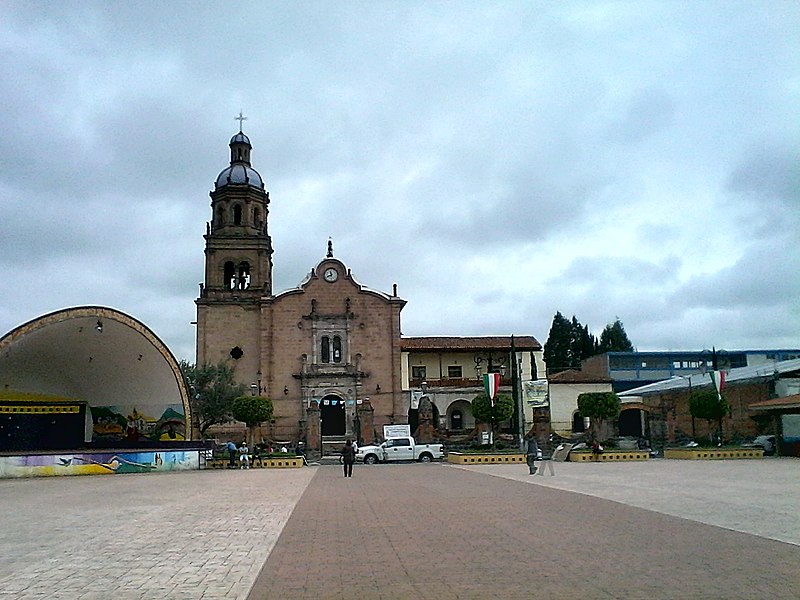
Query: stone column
313, 438
366, 421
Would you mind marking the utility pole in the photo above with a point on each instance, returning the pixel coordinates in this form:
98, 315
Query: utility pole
518, 420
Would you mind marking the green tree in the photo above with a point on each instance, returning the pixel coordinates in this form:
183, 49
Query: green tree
252, 410
558, 348
212, 390
582, 343
614, 339
485, 412
598, 406
568, 343
708, 405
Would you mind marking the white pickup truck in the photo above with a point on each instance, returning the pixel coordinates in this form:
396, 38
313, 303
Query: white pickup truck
397, 449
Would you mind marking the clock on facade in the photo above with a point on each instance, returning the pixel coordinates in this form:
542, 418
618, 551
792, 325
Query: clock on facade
331, 275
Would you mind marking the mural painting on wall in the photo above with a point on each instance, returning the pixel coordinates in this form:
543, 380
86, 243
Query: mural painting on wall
97, 464
128, 423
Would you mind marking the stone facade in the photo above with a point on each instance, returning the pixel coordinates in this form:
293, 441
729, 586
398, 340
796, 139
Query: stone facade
327, 353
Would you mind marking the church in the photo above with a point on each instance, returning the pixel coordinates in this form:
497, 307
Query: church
329, 352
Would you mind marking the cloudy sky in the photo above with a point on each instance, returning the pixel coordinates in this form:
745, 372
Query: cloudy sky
499, 161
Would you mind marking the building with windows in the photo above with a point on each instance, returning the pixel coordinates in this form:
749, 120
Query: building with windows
630, 370
328, 352
760, 397
448, 371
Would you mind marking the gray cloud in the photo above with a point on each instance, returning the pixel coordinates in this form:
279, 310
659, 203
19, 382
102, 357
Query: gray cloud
499, 162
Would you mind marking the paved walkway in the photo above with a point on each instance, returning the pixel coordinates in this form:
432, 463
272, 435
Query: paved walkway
761, 497
157, 536
438, 532
408, 531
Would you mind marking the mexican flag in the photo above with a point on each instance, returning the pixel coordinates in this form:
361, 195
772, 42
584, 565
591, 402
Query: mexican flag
491, 383
718, 379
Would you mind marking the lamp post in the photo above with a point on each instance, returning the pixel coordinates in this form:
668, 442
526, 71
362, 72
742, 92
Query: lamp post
255, 387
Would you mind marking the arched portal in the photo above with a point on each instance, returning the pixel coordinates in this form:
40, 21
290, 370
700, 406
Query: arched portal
578, 423
103, 363
333, 416
632, 422
459, 415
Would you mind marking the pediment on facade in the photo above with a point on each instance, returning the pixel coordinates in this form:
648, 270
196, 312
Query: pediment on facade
341, 274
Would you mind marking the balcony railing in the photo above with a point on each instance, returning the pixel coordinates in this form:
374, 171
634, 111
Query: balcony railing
454, 382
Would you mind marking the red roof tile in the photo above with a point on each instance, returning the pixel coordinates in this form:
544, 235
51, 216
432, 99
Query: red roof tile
447, 343
777, 403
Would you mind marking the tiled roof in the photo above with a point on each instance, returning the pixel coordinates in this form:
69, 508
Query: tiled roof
573, 376
777, 403
447, 343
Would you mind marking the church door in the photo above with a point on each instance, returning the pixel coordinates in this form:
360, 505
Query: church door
333, 413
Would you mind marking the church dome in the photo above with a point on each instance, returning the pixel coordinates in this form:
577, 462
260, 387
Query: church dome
237, 174
240, 138
240, 172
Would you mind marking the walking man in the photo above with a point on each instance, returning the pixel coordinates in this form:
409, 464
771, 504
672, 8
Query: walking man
532, 453
348, 458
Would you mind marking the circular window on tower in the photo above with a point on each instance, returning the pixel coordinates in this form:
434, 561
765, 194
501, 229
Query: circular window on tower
236, 353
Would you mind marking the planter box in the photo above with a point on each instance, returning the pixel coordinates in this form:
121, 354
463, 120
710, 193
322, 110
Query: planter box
292, 462
609, 456
713, 453
459, 458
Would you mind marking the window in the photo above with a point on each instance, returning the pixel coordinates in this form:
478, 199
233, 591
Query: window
417, 372
237, 214
394, 443
325, 350
331, 349
230, 275
337, 349
454, 372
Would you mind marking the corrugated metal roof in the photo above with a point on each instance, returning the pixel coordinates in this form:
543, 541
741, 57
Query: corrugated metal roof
742, 374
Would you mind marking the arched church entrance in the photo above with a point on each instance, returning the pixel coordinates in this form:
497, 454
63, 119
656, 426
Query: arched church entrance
333, 415
631, 423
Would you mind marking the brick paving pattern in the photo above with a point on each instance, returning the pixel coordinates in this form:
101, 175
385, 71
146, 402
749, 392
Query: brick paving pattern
408, 531
159, 536
438, 532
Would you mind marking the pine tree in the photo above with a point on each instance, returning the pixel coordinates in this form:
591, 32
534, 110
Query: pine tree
614, 339
558, 348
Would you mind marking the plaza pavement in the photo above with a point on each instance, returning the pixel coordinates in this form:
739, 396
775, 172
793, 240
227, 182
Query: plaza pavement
655, 529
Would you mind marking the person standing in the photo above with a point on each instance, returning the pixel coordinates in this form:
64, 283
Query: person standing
232, 452
531, 454
348, 458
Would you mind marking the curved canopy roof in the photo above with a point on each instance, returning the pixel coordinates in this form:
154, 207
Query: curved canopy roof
95, 354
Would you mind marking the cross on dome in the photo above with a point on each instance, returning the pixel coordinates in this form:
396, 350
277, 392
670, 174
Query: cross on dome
240, 118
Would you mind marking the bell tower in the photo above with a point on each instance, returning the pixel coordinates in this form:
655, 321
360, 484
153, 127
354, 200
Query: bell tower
238, 262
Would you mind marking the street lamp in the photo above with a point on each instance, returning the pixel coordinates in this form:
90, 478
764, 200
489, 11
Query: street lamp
256, 389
